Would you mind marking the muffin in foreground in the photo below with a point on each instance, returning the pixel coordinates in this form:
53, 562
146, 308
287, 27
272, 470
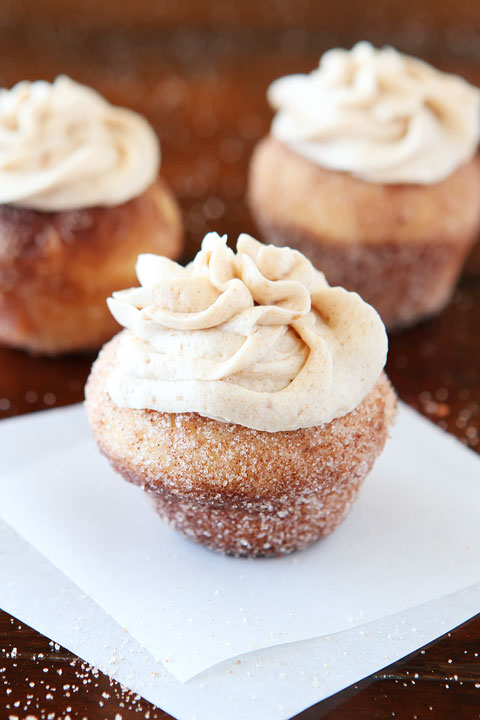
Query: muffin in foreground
245, 395
370, 169
80, 198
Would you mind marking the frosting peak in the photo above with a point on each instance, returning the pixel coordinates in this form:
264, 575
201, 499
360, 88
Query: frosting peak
257, 338
64, 147
380, 115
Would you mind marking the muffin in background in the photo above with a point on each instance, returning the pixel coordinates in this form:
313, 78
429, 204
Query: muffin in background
80, 198
370, 169
245, 395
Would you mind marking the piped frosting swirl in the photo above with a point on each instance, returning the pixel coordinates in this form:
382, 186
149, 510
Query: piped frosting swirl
380, 115
257, 338
64, 147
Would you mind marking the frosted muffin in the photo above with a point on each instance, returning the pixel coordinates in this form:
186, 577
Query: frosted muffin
80, 198
370, 170
245, 395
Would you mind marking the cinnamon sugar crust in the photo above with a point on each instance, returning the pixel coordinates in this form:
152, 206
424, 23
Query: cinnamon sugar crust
401, 247
237, 490
58, 268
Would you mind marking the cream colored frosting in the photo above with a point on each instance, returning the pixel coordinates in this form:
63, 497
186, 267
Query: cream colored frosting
64, 147
257, 338
379, 115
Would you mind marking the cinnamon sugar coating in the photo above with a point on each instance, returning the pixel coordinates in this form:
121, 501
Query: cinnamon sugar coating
401, 247
237, 490
58, 268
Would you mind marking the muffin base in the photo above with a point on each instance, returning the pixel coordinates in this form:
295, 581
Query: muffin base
57, 269
401, 247
236, 490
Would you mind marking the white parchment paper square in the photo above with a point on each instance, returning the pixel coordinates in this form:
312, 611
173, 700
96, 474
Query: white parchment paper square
271, 684
413, 536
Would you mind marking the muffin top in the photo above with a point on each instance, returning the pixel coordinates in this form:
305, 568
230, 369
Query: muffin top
64, 147
380, 115
256, 338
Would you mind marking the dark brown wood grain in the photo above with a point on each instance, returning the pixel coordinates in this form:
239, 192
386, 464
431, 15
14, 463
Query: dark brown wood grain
199, 71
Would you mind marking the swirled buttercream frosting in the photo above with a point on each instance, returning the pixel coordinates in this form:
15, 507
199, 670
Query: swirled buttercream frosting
380, 115
256, 338
64, 147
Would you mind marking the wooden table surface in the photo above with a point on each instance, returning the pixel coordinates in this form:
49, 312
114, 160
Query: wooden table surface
202, 86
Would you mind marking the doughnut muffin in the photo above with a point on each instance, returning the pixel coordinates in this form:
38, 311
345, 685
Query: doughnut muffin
80, 198
245, 395
370, 169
